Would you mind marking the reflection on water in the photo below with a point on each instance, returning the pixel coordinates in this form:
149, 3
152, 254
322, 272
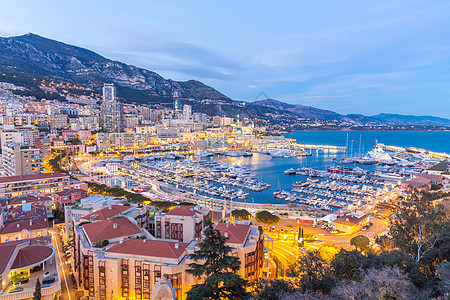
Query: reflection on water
271, 170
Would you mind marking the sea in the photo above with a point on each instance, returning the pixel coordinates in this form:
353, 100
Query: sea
271, 170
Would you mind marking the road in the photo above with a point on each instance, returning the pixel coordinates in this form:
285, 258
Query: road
65, 265
285, 247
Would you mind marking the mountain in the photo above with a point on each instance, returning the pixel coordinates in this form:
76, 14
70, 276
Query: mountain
36, 56
395, 119
30, 58
310, 112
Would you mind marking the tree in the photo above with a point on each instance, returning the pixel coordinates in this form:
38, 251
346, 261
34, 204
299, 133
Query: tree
419, 225
16, 278
312, 272
37, 291
266, 217
385, 243
271, 289
218, 269
347, 264
360, 241
387, 283
241, 214
328, 252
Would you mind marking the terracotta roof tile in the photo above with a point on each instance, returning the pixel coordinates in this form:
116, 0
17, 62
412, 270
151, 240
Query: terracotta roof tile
71, 191
237, 233
182, 210
31, 255
107, 212
104, 230
152, 248
27, 199
350, 220
28, 224
7, 249
32, 177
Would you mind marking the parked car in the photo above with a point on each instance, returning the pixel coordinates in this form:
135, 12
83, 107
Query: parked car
334, 231
35, 268
48, 280
68, 254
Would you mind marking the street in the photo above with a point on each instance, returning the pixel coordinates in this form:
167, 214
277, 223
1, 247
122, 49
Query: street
68, 287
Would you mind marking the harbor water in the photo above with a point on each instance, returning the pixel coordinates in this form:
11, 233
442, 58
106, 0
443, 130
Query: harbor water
271, 170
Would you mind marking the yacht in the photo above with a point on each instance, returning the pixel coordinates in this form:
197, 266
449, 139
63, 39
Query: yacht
289, 171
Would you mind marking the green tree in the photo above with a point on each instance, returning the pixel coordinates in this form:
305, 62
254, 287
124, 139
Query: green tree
347, 264
218, 269
360, 241
385, 243
241, 214
37, 291
266, 217
312, 272
16, 278
271, 289
419, 225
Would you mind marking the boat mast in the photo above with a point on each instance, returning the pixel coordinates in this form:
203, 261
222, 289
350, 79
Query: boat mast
360, 154
351, 150
346, 146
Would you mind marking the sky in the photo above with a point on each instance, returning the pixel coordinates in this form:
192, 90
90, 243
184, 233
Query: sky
365, 57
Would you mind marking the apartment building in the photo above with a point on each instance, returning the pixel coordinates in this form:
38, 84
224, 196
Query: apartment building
182, 223
111, 110
23, 228
38, 184
32, 259
45, 201
247, 242
68, 197
130, 268
21, 159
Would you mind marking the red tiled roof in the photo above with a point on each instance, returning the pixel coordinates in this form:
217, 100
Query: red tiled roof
107, 212
11, 226
237, 233
27, 199
350, 220
36, 209
182, 210
104, 230
31, 255
7, 249
32, 177
153, 248
71, 191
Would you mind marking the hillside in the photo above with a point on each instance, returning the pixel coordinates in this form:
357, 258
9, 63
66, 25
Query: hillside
37, 56
395, 119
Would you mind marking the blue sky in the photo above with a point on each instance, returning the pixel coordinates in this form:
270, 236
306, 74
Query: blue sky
348, 56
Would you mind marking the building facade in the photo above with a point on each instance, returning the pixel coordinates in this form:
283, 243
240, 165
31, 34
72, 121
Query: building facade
21, 159
111, 110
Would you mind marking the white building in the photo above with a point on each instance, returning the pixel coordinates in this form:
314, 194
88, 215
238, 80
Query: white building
21, 159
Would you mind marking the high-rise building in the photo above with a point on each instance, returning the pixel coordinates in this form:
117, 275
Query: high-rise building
111, 110
177, 108
21, 159
187, 112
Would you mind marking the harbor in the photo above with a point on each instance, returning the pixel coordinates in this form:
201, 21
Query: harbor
299, 180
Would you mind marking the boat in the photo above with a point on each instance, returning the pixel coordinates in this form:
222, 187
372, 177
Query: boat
335, 170
366, 160
347, 161
290, 171
241, 195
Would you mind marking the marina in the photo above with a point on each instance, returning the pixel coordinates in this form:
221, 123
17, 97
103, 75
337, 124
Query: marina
306, 178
